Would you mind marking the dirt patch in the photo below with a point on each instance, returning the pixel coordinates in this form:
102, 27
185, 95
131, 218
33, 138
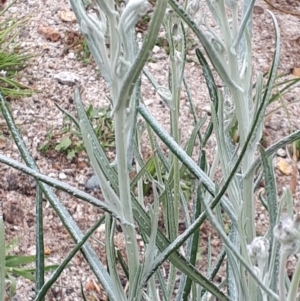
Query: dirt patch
35, 115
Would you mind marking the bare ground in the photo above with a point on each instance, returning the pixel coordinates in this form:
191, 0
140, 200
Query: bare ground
35, 115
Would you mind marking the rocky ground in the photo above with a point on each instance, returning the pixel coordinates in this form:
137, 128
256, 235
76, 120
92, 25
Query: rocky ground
52, 35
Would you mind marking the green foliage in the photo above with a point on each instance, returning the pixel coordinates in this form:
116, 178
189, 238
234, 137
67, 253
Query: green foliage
84, 54
47, 146
15, 266
12, 60
69, 139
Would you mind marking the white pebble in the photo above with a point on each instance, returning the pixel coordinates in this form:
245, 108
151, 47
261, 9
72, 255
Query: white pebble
281, 153
62, 176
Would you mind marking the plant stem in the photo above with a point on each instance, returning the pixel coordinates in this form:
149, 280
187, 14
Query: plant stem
124, 192
175, 86
281, 280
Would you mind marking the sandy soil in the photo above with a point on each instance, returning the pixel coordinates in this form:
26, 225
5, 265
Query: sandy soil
37, 114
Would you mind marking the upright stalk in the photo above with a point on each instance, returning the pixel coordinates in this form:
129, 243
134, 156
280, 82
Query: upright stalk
124, 193
172, 29
281, 280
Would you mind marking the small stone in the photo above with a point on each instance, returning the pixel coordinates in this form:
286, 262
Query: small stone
156, 49
284, 167
49, 33
47, 251
62, 176
258, 10
68, 16
71, 55
296, 71
51, 65
80, 179
281, 153
67, 78
45, 46
92, 183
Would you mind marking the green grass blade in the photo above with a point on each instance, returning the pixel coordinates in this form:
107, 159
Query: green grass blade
14, 261
288, 85
5, 9
82, 292
25, 273
40, 260
144, 171
75, 121
9, 247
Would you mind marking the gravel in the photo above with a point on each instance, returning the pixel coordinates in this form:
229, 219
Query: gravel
36, 115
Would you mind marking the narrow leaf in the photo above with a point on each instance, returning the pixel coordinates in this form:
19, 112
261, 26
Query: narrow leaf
43, 291
40, 257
